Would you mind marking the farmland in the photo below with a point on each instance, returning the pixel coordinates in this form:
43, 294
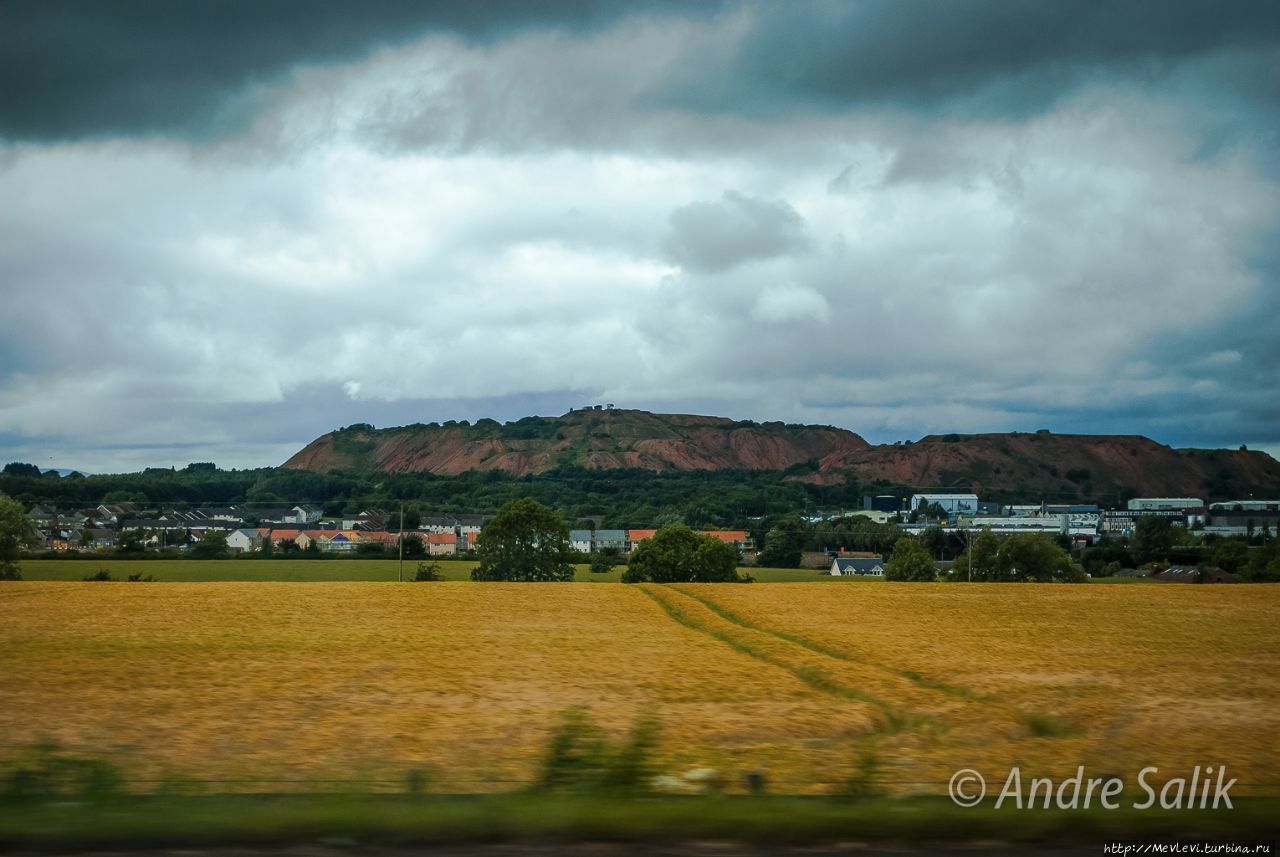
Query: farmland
244, 686
311, 571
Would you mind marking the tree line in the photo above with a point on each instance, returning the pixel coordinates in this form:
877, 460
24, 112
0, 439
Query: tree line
622, 498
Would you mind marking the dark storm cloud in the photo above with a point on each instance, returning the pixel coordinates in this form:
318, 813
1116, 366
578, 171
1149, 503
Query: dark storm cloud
190, 68
132, 67
259, 222
993, 56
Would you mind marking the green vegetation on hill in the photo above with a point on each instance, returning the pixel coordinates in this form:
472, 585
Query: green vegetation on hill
625, 498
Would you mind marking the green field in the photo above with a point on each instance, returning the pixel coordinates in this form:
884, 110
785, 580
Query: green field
318, 570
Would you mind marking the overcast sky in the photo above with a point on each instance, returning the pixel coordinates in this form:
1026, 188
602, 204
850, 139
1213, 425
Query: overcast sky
228, 227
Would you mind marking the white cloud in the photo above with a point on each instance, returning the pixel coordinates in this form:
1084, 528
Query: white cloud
791, 302
431, 224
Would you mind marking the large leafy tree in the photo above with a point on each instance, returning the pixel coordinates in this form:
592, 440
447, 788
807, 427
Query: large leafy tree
1036, 557
784, 544
1153, 537
1231, 555
676, 554
910, 561
525, 540
978, 561
15, 531
212, 545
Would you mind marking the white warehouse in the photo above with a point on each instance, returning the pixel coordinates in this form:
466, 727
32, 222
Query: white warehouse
952, 504
1161, 504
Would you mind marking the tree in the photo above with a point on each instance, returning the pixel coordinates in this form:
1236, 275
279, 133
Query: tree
603, 560
15, 531
429, 571
1230, 555
212, 545
1036, 557
910, 561
935, 542
525, 540
18, 468
783, 544
1153, 537
676, 554
978, 562
413, 546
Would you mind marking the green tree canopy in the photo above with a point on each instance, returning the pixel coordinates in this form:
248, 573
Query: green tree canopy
676, 554
15, 531
1231, 555
910, 561
978, 561
603, 560
784, 544
212, 545
525, 540
20, 468
1037, 558
1153, 537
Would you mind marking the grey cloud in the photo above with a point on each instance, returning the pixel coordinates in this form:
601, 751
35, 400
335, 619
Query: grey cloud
142, 67
483, 222
998, 57
203, 68
707, 237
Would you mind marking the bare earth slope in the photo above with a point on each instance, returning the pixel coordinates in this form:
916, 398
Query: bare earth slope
1016, 463
596, 439
1048, 464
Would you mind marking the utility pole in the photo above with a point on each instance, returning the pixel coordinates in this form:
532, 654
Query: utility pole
400, 573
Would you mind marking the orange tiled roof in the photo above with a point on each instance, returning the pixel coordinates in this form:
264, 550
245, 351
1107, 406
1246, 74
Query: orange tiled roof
727, 535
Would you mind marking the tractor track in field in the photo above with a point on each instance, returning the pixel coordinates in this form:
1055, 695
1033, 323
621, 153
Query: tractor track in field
958, 692
917, 678
892, 717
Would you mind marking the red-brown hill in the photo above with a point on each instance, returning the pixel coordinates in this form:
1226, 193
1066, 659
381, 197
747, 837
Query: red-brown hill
602, 440
1016, 464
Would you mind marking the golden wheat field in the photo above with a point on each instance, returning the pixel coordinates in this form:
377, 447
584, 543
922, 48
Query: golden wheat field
270, 685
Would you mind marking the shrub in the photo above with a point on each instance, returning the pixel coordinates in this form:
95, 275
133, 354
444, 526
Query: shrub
44, 771
100, 575
429, 571
580, 759
676, 554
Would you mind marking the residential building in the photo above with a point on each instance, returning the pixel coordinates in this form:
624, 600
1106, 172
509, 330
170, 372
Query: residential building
611, 539
580, 540
859, 566
635, 537
442, 544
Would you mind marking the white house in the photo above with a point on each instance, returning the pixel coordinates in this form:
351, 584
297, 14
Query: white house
304, 514
244, 541
580, 540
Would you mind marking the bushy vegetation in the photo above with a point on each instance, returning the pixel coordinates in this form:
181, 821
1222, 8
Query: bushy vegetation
1027, 557
525, 541
676, 554
15, 531
580, 759
625, 498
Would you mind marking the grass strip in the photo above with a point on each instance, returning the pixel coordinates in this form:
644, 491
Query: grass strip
256, 820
